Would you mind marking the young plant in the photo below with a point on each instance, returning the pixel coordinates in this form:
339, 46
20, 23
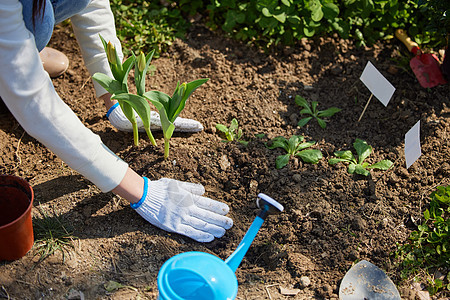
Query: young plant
119, 85
170, 107
232, 133
358, 166
314, 112
429, 246
295, 147
52, 234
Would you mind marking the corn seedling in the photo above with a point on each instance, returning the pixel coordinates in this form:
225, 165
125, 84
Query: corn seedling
170, 107
119, 85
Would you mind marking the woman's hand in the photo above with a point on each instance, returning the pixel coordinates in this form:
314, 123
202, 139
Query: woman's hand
179, 207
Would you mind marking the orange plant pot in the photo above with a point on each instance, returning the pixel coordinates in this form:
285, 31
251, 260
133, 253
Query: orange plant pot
16, 228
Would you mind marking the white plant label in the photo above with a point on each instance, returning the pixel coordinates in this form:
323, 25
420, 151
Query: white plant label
412, 145
378, 85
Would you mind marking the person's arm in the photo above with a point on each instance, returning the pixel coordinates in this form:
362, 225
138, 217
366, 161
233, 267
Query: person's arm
29, 94
95, 20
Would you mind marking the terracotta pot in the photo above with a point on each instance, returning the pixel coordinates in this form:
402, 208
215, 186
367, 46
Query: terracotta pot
16, 228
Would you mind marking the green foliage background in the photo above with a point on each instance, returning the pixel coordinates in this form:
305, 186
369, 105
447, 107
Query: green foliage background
150, 25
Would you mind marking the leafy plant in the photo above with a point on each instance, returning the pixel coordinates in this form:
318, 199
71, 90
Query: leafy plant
232, 133
145, 25
429, 245
52, 234
358, 165
168, 107
295, 147
119, 85
314, 112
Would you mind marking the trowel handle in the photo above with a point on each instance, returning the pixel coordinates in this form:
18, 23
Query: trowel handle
410, 44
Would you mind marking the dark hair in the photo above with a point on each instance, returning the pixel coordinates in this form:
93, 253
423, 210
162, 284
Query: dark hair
38, 8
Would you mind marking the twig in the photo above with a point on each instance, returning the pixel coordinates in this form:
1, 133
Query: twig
365, 107
6, 293
267, 289
17, 150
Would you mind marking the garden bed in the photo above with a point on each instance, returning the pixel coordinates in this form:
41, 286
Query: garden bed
331, 218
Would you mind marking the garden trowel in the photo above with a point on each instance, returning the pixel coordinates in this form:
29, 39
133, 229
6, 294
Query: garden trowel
424, 65
366, 281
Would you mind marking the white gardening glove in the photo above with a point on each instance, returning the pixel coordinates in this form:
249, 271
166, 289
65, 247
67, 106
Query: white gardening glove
118, 120
179, 207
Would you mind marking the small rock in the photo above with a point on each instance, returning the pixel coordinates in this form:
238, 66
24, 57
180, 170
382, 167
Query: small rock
293, 118
224, 162
336, 70
297, 178
75, 295
305, 281
392, 70
358, 223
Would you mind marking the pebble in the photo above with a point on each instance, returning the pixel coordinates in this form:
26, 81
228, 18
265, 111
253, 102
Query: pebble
297, 178
305, 281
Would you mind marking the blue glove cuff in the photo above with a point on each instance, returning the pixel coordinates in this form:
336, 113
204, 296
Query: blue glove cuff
144, 195
111, 109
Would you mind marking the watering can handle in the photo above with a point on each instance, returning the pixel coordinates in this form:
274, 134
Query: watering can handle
235, 259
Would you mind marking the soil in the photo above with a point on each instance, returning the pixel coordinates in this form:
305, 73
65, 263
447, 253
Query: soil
331, 220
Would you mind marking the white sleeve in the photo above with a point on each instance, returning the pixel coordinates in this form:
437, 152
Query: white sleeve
96, 19
29, 94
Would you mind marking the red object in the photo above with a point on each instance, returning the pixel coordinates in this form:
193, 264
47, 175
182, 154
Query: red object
16, 228
424, 65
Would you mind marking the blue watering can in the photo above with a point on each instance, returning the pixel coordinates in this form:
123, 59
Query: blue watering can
202, 276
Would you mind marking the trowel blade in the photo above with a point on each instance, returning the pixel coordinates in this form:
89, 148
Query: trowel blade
366, 281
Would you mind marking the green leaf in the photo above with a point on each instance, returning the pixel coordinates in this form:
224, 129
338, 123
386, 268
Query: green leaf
382, 165
316, 10
304, 121
139, 104
330, 10
222, 128
351, 168
234, 125
362, 149
176, 107
112, 286
286, 2
159, 100
328, 112
347, 155
280, 17
111, 85
359, 169
282, 160
334, 161
299, 100
304, 145
314, 107
158, 96
279, 142
321, 122
310, 155
293, 142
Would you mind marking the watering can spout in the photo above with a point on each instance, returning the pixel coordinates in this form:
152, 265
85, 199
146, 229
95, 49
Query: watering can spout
268, 206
